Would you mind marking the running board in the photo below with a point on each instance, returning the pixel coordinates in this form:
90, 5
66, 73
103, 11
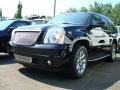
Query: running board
99, 58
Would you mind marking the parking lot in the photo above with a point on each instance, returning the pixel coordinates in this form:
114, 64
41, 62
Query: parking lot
100, 75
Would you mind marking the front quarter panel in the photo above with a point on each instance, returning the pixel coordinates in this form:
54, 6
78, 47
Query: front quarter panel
76, 35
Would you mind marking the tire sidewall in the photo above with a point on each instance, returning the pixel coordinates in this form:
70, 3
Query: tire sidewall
113, 47
118, 45
75, 56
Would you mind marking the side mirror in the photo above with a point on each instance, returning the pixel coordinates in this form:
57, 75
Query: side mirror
10, 29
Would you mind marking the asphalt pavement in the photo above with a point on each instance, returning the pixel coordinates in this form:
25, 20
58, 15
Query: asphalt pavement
100, 75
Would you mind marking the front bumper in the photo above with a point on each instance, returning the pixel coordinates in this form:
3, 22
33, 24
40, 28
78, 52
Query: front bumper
58, 55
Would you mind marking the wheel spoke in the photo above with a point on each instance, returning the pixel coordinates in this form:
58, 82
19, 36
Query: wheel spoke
84, 60
81, 60
81, 68
82, 56
78, 66
113, 53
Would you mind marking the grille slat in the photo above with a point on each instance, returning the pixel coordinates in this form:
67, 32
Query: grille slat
25, 37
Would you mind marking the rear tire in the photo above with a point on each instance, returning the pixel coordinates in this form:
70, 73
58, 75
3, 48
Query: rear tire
112, 57
118, 46
78, 61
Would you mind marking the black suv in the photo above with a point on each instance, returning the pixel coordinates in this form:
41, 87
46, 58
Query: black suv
6, 28
68, 41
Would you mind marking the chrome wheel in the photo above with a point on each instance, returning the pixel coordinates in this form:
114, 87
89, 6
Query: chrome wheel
113, 52
118, 46
78, 62
81, 62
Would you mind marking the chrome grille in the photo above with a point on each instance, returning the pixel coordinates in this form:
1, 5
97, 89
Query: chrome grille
25, 37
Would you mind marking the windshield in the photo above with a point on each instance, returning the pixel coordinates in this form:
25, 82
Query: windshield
5, 24
73, 18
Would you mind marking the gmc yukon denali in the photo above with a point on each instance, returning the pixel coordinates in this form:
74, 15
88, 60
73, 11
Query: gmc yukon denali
68, 42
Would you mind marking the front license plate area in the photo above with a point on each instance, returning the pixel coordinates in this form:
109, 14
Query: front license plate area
23, 58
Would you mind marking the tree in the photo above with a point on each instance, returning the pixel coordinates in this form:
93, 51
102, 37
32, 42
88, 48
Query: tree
72, 10
97, 7
83, 9
107, 10
18, 14
43, 17
49, 17
116, 14
0, 13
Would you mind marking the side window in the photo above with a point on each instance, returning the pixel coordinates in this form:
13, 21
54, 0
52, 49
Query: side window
95, 19
106, 25
18, 24
112, 27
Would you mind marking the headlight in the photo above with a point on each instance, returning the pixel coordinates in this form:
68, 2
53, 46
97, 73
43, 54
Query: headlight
55, 35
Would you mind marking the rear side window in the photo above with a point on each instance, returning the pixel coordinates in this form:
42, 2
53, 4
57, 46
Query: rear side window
112, 26
106, 25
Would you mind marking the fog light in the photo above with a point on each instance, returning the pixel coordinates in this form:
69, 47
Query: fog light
49, 62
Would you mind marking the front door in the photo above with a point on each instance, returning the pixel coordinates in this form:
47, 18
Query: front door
99, 37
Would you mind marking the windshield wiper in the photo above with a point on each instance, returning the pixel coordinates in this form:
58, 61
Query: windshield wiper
70, 23
67, 23
64, 23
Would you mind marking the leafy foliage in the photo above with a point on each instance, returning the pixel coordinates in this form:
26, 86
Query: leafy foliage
18, 14
106, 9
0, 13
83, 9
116, 14
72, 10
97, 7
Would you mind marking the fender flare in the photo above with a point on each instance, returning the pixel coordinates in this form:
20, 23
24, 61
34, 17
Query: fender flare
80, 39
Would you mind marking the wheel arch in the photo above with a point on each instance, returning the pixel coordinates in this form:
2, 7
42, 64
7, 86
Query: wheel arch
84, 42
114, 41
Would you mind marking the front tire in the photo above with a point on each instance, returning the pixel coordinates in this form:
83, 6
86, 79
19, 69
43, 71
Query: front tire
78, 63
8, 50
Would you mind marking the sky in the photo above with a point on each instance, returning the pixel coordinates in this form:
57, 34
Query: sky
45, 7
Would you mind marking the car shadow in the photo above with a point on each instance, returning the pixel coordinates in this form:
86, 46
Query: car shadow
5, 59
99, 75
